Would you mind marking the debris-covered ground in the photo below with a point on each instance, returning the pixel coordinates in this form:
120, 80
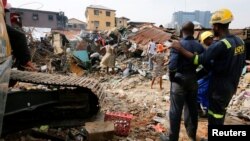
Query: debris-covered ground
127, 91
149, 107
132, 94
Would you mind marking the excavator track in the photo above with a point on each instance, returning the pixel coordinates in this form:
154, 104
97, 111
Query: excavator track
70, 98
59, 80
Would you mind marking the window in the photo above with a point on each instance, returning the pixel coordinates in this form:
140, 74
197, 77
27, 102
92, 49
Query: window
120, 21
35, 16
108, 13
96, 12
50, 17
20, 13
82, 26
108, 24
75, 26
96, 23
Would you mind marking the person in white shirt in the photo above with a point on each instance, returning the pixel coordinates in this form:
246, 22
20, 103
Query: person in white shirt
151, 51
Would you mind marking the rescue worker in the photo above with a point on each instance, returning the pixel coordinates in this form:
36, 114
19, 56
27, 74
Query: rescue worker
203, 75
206, 38
183, 89
19, 47
228, 55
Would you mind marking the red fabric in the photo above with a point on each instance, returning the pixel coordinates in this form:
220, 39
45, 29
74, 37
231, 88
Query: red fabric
4, 3
15, 19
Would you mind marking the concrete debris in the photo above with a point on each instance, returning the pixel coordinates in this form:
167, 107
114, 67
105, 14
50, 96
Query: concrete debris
134, 30
148, 139
142, 72
165, 77
240, 105
247, 78
159, 119
100, 131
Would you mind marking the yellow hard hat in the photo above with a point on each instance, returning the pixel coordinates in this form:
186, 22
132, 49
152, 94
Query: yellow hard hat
222, 16
205, 35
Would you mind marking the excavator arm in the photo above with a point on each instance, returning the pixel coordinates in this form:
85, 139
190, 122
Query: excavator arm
5, 68
5, 63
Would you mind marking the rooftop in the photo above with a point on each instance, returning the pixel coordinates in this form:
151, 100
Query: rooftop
74, 19
124, 18
140, 23
70, 34
32, 10
157, 34
100, 7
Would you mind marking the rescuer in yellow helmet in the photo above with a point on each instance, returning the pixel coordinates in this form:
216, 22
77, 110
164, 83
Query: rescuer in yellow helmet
206, 38
228, 55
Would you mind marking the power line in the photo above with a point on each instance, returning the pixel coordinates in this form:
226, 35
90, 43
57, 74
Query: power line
41, 5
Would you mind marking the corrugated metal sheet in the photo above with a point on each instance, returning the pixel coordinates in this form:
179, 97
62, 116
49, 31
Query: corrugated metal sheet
81, 55
143, 36
70, 34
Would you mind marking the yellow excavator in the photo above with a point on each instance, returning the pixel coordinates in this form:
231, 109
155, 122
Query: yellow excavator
67, 97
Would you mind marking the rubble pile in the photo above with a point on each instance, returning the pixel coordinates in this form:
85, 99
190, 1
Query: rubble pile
128, 90
46, 57
240, 103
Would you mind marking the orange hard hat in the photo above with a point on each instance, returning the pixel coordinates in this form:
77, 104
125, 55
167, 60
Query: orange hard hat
160, 48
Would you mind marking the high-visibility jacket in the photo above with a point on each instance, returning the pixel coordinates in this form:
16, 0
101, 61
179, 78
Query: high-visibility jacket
228, 57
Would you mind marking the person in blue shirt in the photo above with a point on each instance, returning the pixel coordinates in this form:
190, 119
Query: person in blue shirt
204, 75
183, 89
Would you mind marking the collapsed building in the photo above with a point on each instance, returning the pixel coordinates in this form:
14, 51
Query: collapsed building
69, 52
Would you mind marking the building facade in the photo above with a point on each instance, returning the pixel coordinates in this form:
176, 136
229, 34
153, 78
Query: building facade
121, 22
99, 18
203, 17
75, 24
43, 19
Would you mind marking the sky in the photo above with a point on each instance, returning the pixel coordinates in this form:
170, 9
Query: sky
156, 11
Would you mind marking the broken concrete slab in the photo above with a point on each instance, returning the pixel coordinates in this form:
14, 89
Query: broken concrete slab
100, 130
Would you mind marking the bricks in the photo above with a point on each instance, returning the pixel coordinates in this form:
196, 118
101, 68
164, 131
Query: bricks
100, 131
